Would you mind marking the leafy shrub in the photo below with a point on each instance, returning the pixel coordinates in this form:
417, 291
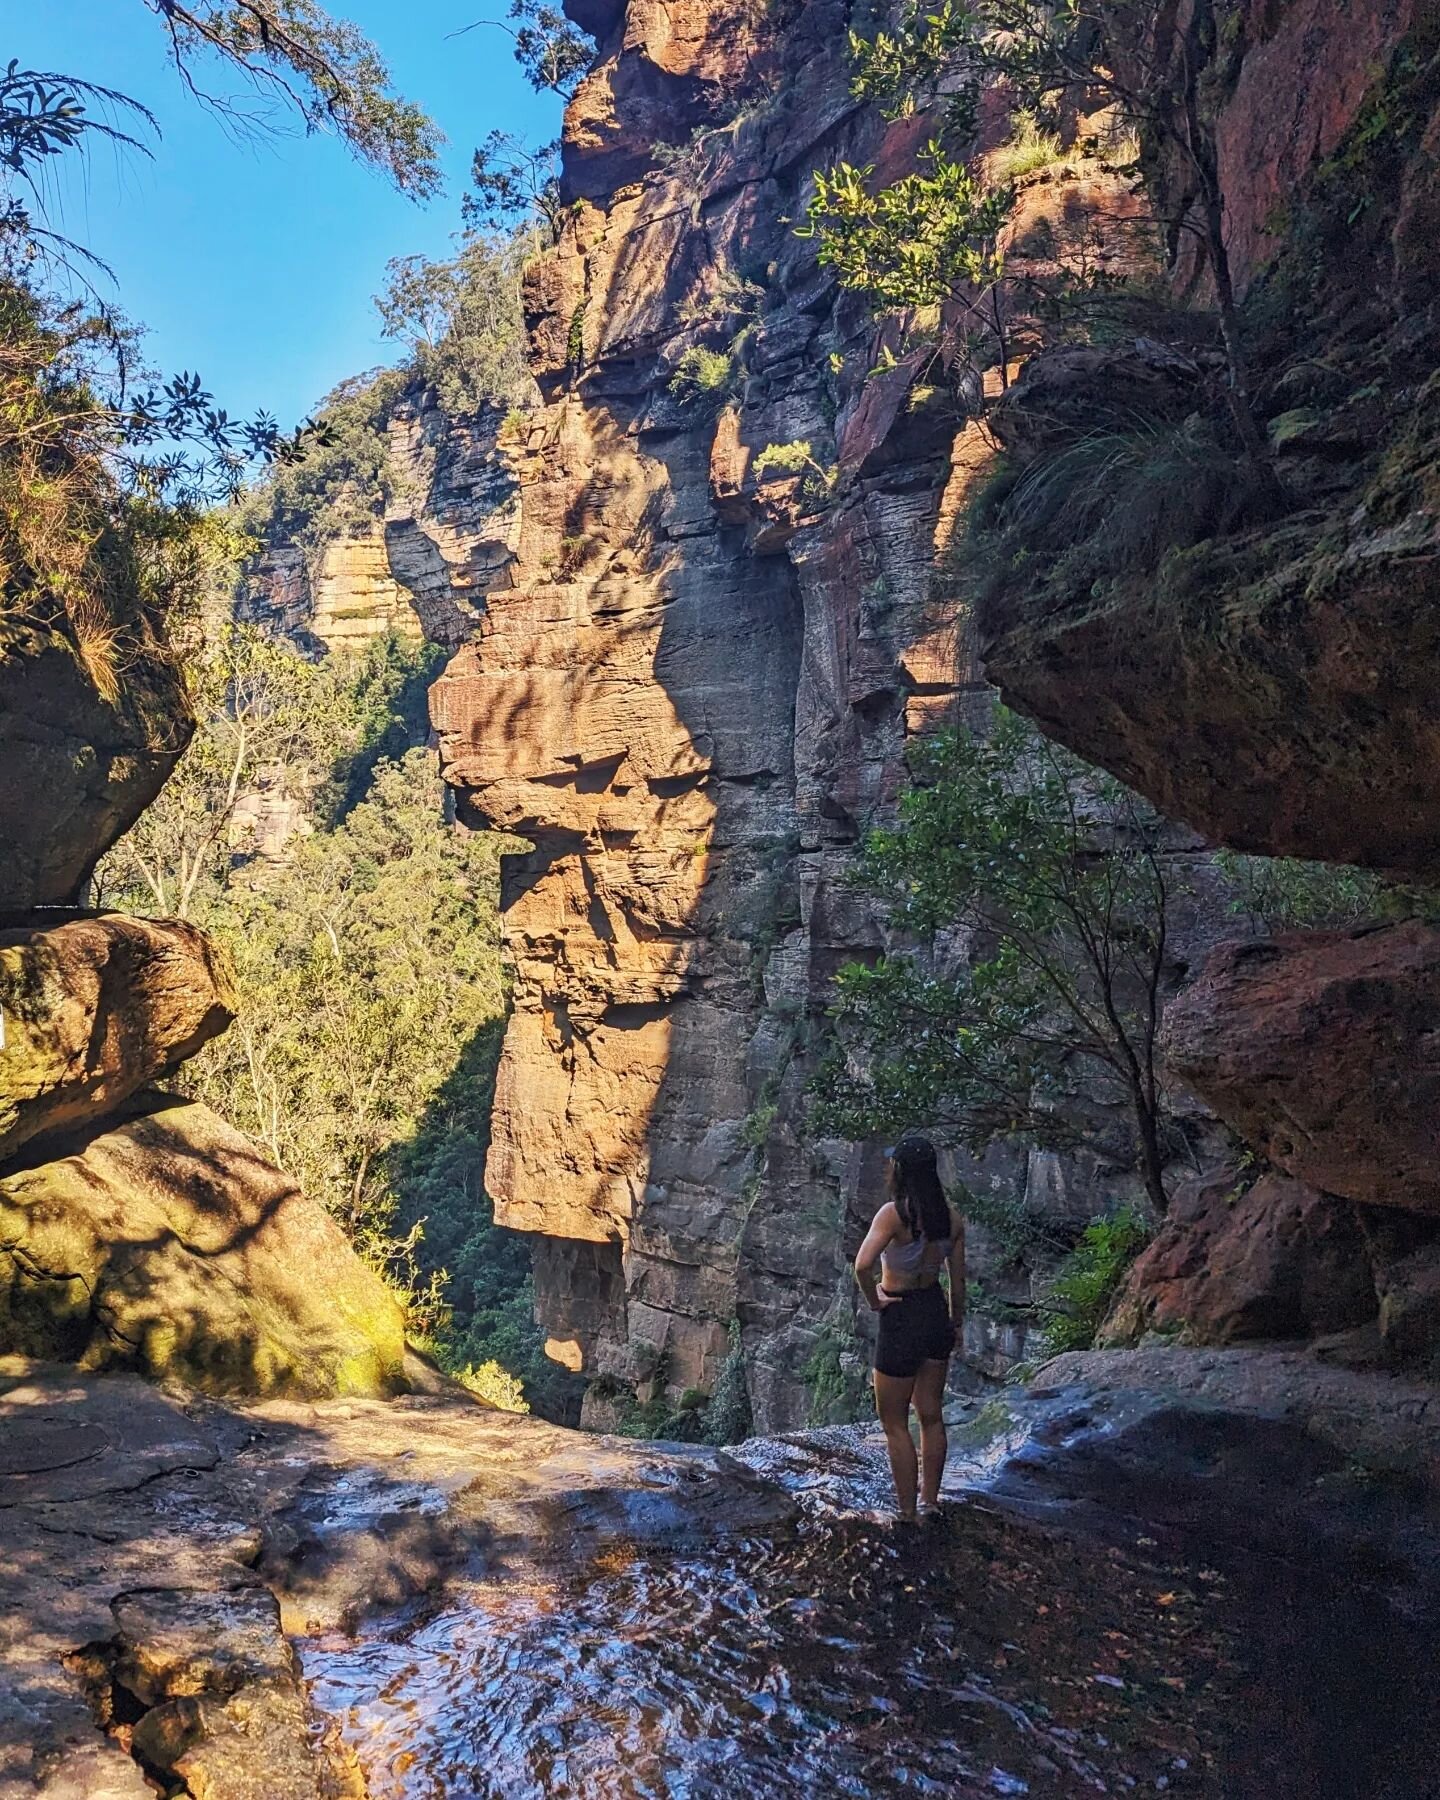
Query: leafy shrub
837, 1395
703, 375
461, 320
1284, 892
798, 458
489, 1382
727, 1415
1080, 1293
997, 844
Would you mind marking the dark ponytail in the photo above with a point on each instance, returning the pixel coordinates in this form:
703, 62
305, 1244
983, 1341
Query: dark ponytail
915, 1187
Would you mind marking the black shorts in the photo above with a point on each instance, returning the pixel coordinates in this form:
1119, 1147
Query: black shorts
915, 1330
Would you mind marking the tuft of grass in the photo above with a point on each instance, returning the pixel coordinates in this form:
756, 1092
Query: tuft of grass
1027, 150
1108, 504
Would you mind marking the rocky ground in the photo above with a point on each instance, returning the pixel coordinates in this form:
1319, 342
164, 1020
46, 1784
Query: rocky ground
159, 1547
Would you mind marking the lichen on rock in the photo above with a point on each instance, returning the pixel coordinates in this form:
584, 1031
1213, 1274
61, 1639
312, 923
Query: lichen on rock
96, 1009
164, 1242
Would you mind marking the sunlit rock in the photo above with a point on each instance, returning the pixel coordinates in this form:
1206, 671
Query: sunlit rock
169, 1245
95, 1009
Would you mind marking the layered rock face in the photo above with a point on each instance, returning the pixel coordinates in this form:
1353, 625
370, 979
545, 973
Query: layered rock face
348, 598
443, 537
77, 768
692, 695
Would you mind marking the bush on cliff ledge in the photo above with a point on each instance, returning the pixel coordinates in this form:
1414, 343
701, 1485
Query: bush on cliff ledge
1036, 896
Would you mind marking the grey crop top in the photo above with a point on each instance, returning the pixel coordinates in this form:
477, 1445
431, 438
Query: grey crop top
909, 1259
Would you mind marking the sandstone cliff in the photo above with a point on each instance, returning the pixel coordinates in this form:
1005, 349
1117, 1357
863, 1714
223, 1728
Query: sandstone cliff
691, 687
443, 534
694, 692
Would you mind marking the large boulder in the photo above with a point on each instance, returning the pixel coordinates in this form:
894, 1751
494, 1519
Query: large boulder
1320, 1049
76, 768
96, 1009
169, 1245
1271, 1259
1270, 682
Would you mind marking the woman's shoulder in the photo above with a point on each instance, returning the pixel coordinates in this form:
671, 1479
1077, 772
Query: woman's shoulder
957, 1220
887, 1217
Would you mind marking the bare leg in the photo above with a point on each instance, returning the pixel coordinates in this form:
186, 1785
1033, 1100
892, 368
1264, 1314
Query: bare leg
892, 1401
929, 1398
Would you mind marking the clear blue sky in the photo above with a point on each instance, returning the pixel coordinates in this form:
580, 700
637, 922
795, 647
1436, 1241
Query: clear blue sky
254, 262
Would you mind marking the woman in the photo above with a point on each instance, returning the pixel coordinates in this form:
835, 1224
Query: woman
916, 1234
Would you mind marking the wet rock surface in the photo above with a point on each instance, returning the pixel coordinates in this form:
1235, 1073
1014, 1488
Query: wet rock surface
1124, 1589
1089, 1615
155, 1546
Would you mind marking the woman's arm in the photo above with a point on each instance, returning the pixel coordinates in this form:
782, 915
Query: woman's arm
957, 1272
883, 1227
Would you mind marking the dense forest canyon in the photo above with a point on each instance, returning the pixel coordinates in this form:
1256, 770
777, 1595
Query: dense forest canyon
888, 585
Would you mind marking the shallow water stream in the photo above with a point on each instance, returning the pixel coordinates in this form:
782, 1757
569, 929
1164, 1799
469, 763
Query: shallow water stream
984, 1654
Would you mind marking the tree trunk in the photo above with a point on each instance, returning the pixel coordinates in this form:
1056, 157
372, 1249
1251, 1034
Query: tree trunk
1152, 1160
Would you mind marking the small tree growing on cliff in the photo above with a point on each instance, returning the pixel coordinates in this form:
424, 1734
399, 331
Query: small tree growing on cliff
1038, 898
1155, 66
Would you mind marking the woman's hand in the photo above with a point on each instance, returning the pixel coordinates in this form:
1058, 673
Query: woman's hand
882, 1299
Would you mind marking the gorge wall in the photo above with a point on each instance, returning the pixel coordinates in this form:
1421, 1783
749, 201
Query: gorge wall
692, 694
690, 684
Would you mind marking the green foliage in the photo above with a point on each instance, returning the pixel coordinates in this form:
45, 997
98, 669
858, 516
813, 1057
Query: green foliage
553, 53
288, 51
87, 547
930, 237
727, 1415
703, 376
461, 321
575, 338
1005, 1219
731, 296
798, 458
935, 233
721, 1418
836, 1395
324, 68
897, 66
1080, 1293
759, 1124
513, 188
1283, 892
1051, 871
490, 1383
